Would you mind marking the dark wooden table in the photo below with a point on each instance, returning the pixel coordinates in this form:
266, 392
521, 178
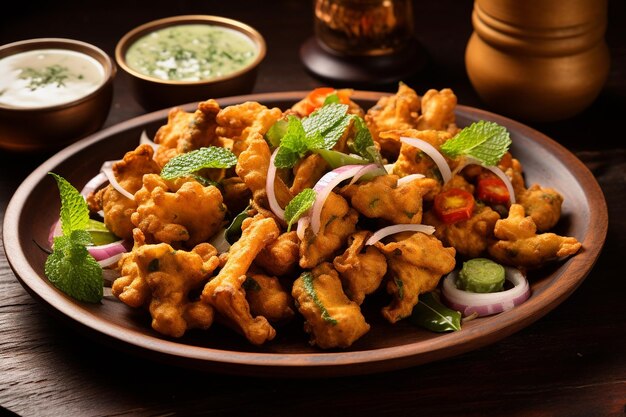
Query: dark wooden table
572, 362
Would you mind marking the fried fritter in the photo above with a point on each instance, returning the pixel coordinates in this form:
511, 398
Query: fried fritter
281, 256
520, 245
128, 173
396, 112
383, 198
307, 172
437, 111
239, 122
416, 264
225, 291
337, 222
267, 298
543, 205
185, 132
252, 166
469, 237
332, 320
162, 278
189, 214
236, 194
361, 271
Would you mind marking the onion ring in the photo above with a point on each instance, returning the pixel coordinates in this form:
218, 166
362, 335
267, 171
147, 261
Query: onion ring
107, 169
485, 304
397, 228
269, 186
434, 154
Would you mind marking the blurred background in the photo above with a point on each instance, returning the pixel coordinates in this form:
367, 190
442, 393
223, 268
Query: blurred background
442, 28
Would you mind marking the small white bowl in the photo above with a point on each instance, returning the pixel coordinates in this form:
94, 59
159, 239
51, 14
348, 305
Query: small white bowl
52, 92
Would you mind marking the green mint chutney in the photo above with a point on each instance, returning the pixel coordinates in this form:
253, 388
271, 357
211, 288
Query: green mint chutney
191, 52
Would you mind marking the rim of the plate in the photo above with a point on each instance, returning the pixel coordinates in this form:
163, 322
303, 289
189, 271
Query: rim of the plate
501, 325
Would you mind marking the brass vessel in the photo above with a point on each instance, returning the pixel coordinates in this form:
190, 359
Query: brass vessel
538, 60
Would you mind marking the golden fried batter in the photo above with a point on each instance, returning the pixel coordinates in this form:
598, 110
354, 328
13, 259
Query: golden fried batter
267, 298
469, 237
337, 222
238, 123
225, 292
438, 111
129, 173
361, 271
543, 205
411, 160
332, 320
236, 194
252, 166
416, 263
161, 278
520, 245
191, 214
383, 198
281, 256
399, 111
185, 132
307, 172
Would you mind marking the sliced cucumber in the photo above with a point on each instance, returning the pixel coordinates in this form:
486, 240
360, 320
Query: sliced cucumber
481, 275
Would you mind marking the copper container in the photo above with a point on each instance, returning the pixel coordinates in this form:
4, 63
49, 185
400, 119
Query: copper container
539, 60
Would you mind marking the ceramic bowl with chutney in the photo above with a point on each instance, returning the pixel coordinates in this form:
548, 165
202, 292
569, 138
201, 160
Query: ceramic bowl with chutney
184, 59
53, 92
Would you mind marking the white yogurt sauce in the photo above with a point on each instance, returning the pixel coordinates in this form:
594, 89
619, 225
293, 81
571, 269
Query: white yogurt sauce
47, 77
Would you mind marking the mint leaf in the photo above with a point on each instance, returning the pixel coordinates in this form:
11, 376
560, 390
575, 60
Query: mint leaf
362, 138
190, 162
74, 211
330, 121
299, 205
483, 140
73, 270
70, 267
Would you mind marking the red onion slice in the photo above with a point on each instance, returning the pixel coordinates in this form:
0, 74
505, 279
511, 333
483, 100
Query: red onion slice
303, 223
144, 139
269, 186
505, 179
484, 304
366, 169
112, 260
107, 169
102, 252
93, 184
397, 228
434, 154
409, 178
323, 188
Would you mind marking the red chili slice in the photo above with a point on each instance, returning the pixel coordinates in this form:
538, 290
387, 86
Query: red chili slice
454, 205
492, 190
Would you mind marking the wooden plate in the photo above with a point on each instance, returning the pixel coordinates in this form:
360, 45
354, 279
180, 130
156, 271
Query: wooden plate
35, 206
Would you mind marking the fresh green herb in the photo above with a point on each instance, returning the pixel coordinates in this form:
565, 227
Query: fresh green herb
233, 231
307, 279
331, 99
299, 205
99, 233
70, 267
250, 284
431, 314
39, 78
295, 144
485, 141
330, 121
362, 139
191, 162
